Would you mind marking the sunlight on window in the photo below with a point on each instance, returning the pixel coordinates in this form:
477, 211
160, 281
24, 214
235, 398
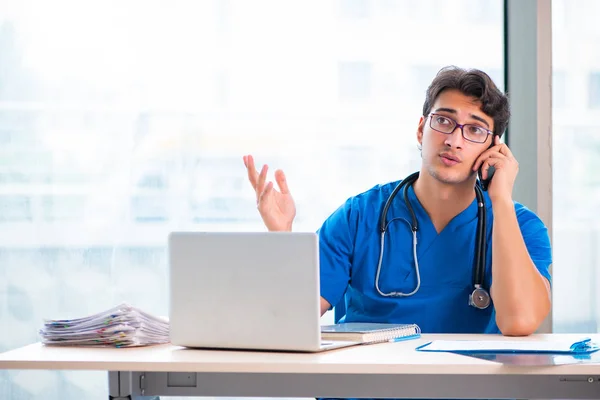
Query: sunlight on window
576, 186
121, 121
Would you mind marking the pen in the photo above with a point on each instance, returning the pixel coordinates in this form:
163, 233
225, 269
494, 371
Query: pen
403, 338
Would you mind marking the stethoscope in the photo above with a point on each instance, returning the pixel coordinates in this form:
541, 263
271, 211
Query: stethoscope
479, 298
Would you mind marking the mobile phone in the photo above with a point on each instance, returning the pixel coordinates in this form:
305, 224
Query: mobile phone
485, 183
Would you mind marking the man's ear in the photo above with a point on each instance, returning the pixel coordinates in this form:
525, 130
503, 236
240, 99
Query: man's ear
420, 131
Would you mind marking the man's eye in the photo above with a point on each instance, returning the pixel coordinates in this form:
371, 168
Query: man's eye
443, 121
476, 130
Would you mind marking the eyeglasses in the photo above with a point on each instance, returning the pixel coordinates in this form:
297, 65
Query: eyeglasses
472, 133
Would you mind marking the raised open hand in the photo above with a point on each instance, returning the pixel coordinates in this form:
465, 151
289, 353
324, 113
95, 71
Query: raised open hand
276, 208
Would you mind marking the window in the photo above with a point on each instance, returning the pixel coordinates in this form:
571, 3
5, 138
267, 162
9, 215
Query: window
355, 9
559, 89
112, 138
354, 80
594, 90
576, 151
475, 10
421, 78
15, 208
149, 208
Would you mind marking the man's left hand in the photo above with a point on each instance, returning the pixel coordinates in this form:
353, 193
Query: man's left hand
501, 158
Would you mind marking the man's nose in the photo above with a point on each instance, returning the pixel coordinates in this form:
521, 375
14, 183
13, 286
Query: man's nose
455, 138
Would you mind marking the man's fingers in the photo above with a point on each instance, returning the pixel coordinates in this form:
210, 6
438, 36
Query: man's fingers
500, 147
486, 166
497, 155
262, 177
282, 182
492, 153
496, 162
258, 179
479, 162
484, 170
503, 149
263, 195
252, 173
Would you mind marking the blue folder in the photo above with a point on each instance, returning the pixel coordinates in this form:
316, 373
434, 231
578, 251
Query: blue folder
526, 345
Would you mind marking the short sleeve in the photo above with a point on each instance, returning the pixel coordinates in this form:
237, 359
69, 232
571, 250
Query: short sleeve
537, 240
336, 247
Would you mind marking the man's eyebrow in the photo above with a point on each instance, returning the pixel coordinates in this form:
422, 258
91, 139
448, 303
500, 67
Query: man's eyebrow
453, 111
449, 110
478, 118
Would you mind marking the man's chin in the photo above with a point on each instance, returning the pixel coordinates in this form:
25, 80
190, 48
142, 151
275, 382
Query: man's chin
450, 177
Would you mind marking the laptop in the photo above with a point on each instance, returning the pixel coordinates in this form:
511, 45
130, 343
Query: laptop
246, 290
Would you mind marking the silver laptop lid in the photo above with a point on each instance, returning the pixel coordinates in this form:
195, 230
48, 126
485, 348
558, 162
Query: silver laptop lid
253, 290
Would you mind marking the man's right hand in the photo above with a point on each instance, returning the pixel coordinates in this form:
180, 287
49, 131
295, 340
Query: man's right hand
276, 208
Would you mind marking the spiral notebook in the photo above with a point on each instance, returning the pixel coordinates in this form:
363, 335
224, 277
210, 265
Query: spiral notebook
369, 332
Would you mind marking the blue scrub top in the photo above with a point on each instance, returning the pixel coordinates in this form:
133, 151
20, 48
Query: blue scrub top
349, 242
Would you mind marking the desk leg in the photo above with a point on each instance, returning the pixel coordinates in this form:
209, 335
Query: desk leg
121, 387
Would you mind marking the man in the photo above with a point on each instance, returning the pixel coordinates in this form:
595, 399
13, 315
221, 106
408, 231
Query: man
428, 279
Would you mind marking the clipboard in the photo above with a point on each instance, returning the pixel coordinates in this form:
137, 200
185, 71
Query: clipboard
527, 346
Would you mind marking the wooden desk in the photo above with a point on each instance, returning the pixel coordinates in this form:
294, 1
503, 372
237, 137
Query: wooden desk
381, 370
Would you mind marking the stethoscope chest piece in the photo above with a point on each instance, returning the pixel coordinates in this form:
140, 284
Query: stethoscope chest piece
480, 298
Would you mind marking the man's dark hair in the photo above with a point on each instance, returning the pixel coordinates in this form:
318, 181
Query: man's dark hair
474, 83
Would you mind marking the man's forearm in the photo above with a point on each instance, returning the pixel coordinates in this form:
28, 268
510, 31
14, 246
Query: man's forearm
324, 305
520, 293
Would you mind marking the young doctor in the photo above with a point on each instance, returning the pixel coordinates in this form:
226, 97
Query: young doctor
441, 251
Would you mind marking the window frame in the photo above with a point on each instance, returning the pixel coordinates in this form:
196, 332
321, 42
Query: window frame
528, 77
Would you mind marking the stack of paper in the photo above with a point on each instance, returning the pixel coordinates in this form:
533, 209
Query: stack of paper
121, 326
